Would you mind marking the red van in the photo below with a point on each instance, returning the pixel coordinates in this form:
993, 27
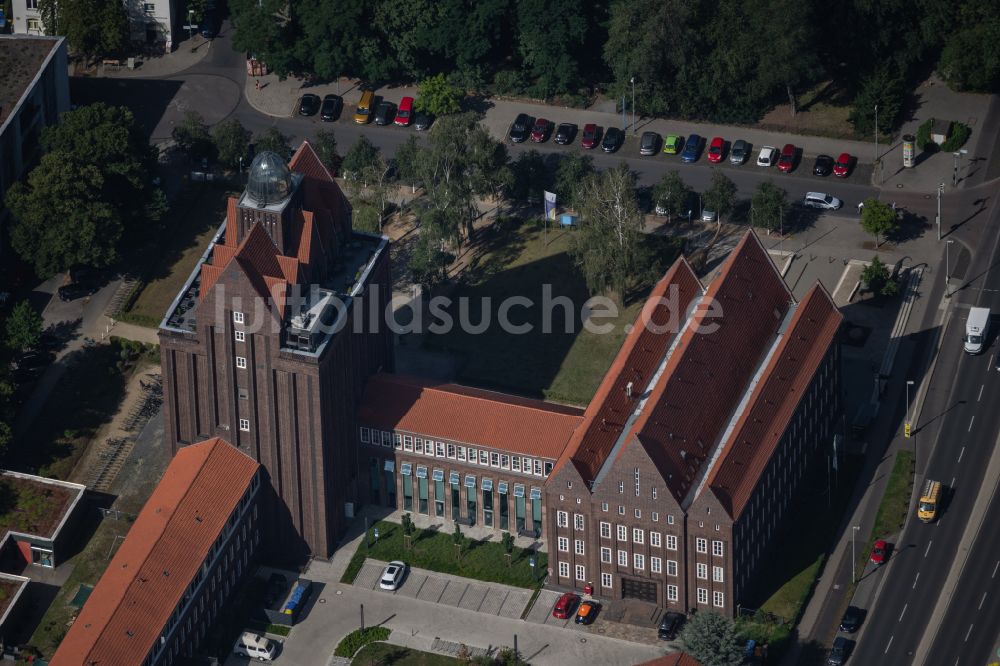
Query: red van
404, 115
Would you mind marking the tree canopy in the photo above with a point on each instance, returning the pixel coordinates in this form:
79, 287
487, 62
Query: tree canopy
232, 141
712, 639
92, 27
23, 327
879, 219
769, 206
438, 97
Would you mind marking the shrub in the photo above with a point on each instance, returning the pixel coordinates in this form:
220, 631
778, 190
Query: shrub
924, 136
957, 137
359, 638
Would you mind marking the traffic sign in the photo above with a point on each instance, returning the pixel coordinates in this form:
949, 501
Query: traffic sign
906, 429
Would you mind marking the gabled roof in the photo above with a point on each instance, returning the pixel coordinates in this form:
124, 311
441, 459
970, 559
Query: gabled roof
164, 550
643, 350
790, 370
467, 415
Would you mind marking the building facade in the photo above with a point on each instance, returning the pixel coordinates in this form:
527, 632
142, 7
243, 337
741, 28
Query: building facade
191, 545
150, 21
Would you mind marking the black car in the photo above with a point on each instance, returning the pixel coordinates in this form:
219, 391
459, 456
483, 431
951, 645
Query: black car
521, 128
422, 121
840, 651
823, 165
71, 292
565, 133
209, 26
853, 617
613, 138
670, 626
332, 105
385, 112
309, 105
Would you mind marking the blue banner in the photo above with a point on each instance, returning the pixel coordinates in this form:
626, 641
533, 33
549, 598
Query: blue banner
550, 206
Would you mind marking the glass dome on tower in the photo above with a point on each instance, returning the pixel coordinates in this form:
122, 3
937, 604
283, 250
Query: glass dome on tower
269, 180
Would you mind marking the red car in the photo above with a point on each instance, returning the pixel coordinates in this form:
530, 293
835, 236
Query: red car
565, 606
540, 131
842, 166
589, 138
879, 552
404, 114
715, 149
787, 160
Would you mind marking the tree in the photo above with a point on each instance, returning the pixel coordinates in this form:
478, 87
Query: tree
192, 137
877, 277
883, 88
712, 639
549, 48
572, 172
232, 142
408, 529
768, 206
458, 539
720, 195
265, 29
531, 177
672, 194
606, 247
409, 158
361, 157
879, 219
23, 327
507, 541
438, 97
325, 146
427, 260
273, 140
970, 59
92, 27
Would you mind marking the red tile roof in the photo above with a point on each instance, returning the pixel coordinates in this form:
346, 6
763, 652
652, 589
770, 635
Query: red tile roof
164, 549
636, 362
791, 369
467, 415
232, 227
708, 372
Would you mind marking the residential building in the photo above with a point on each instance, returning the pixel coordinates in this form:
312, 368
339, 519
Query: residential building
191, 545
267, 344
150, 21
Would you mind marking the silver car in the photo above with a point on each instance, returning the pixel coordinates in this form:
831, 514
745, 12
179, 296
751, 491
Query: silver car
821, 200
392, 577
649, 144
740, 151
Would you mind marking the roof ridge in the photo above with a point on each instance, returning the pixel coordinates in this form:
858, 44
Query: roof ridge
439, 388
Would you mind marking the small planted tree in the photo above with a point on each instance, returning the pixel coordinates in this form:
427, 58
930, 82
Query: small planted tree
408, 530
671, 195
879, 219
438, 96
507, 541
458, 539
720, 195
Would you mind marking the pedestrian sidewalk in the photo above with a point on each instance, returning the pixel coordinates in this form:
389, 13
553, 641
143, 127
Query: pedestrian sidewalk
189, 52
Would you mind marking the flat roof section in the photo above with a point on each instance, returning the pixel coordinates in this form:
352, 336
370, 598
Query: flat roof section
21, 56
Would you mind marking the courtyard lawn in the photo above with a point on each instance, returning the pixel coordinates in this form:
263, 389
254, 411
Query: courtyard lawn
384, 653
431, 549
546, 361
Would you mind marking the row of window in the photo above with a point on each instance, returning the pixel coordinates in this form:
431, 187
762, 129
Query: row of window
580, 571
654, 515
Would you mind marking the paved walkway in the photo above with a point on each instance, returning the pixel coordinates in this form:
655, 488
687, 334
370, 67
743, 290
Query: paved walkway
188, 52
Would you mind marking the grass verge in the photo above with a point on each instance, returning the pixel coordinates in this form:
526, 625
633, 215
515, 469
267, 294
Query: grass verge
893, 508
359, 638
385, 653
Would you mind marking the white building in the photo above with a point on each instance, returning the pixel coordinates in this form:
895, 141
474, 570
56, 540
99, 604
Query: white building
150, 21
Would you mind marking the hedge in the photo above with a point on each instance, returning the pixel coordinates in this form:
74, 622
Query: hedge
356, 640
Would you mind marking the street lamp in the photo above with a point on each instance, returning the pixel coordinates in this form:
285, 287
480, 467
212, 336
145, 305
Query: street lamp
909, 383
854, 557
940, 192
947, 269
877, 162
632, 81
958, 156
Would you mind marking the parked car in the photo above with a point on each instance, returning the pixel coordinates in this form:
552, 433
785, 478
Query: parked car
613, 138
823, 165
839, 652
565, 606
587, 613
821, 200
766, 156
880, 551
332, 106
565, 133
670, 626
591, 135
309, 105
384, 113
649, 143
672, 144
540, 130
715, 150
708, 215
363, 113
404, 114
739, 153
392, 577
521, 128
75, 290
842, 166
692, 148
209, 26
853, 617
422, 121
787, 160
254, 646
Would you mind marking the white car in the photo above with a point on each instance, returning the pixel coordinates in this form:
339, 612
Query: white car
393, 575
708, 215
821, 200
254, 646
766, 156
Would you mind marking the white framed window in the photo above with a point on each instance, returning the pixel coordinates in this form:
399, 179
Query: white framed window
654, 492
606, 555
638, 536
578, 546
578, 522
638, 513
701, 545
238, 317
407, 442
621, 510
504, 461
451, 451
717, 599
494, 459
364, 435
473, 456
717, 574
717, 548
241, 362
671, 541
622, 533
604, 507
655, 516
240, 336
397, 441
702, 595
636, 481
605, 530
671, 593
563, 545
654, 539
564, 569
581, 572
439, 449
34, 26
623, 558
387, 439
149, 7
562, 519
418, 445
672, 568
461, 453
606, 580
621, 486
515, 464
656, 565
245, 425
639, 561
701, 571
537, 469
484, 457
670, 519
526, 465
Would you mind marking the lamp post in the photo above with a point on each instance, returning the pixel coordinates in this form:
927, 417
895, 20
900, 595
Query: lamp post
909, 383
854, 557
958, 156
940, 192
947, 269
877, 161
190, 22
632, 81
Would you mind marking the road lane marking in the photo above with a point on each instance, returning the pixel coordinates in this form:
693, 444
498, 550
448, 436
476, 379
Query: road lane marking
971, 422
980, 392
928, 548
960, 454
889, 645
952, 482
981, 601
903, 613
968, 633
992, 356
915, 581
997, 566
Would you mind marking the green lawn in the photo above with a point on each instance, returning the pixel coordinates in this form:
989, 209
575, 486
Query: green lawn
191, 224
893, 508
434, 550
384, 653
546, 362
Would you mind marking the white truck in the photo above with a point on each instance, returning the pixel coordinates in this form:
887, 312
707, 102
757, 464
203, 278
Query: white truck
976, 329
